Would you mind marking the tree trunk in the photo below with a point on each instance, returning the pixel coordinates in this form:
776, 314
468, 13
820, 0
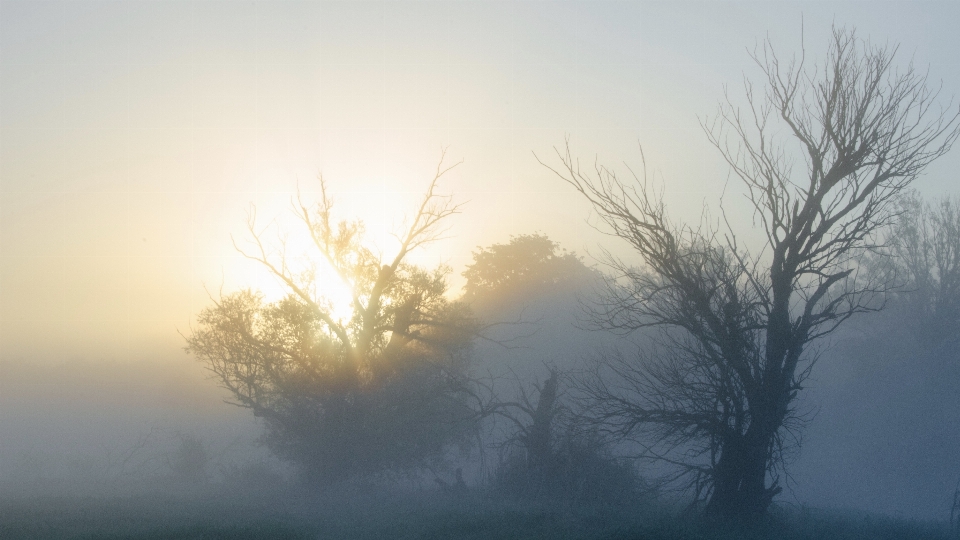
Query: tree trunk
740, 491
539, 451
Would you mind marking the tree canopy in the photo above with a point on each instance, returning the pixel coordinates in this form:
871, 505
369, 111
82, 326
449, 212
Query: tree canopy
385, 388
527, 265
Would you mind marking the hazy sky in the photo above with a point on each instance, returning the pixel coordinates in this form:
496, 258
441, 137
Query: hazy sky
134, 135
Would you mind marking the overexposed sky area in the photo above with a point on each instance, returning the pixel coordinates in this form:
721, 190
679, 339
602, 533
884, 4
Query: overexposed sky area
134, 135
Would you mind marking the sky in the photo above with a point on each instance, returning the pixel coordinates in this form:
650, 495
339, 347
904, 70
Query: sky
136, 136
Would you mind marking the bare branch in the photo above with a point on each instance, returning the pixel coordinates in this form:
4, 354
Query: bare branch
735, 327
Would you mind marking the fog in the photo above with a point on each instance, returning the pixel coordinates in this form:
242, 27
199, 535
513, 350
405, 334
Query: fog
87, 427
884, 434
153, 159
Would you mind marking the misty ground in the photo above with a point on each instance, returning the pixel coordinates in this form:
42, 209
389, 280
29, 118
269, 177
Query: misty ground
148, 449
393, 514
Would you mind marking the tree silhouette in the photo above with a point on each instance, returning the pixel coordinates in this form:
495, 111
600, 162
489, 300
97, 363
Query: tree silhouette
717, 397
383, 389
553, 454
529, 264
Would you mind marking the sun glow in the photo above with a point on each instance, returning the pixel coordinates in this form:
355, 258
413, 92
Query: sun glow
335, 294
325, 287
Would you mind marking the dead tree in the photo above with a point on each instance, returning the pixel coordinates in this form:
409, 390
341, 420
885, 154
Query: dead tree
537, 437
718, 398
535, 425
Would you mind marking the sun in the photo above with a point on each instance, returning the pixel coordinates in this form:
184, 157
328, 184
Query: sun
335, 293
326, 287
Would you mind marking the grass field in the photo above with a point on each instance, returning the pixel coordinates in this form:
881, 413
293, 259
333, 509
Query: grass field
410, 516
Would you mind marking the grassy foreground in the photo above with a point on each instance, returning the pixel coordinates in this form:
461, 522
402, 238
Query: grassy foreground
408, 516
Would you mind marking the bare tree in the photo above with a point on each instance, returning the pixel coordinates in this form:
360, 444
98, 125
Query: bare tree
383, 388
718, 396
924, 254
535, 424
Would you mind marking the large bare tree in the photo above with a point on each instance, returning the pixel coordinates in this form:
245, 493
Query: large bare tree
382, 388
717, 395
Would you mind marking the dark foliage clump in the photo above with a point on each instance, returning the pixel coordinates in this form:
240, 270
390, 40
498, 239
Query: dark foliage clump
579, 470
530, 266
